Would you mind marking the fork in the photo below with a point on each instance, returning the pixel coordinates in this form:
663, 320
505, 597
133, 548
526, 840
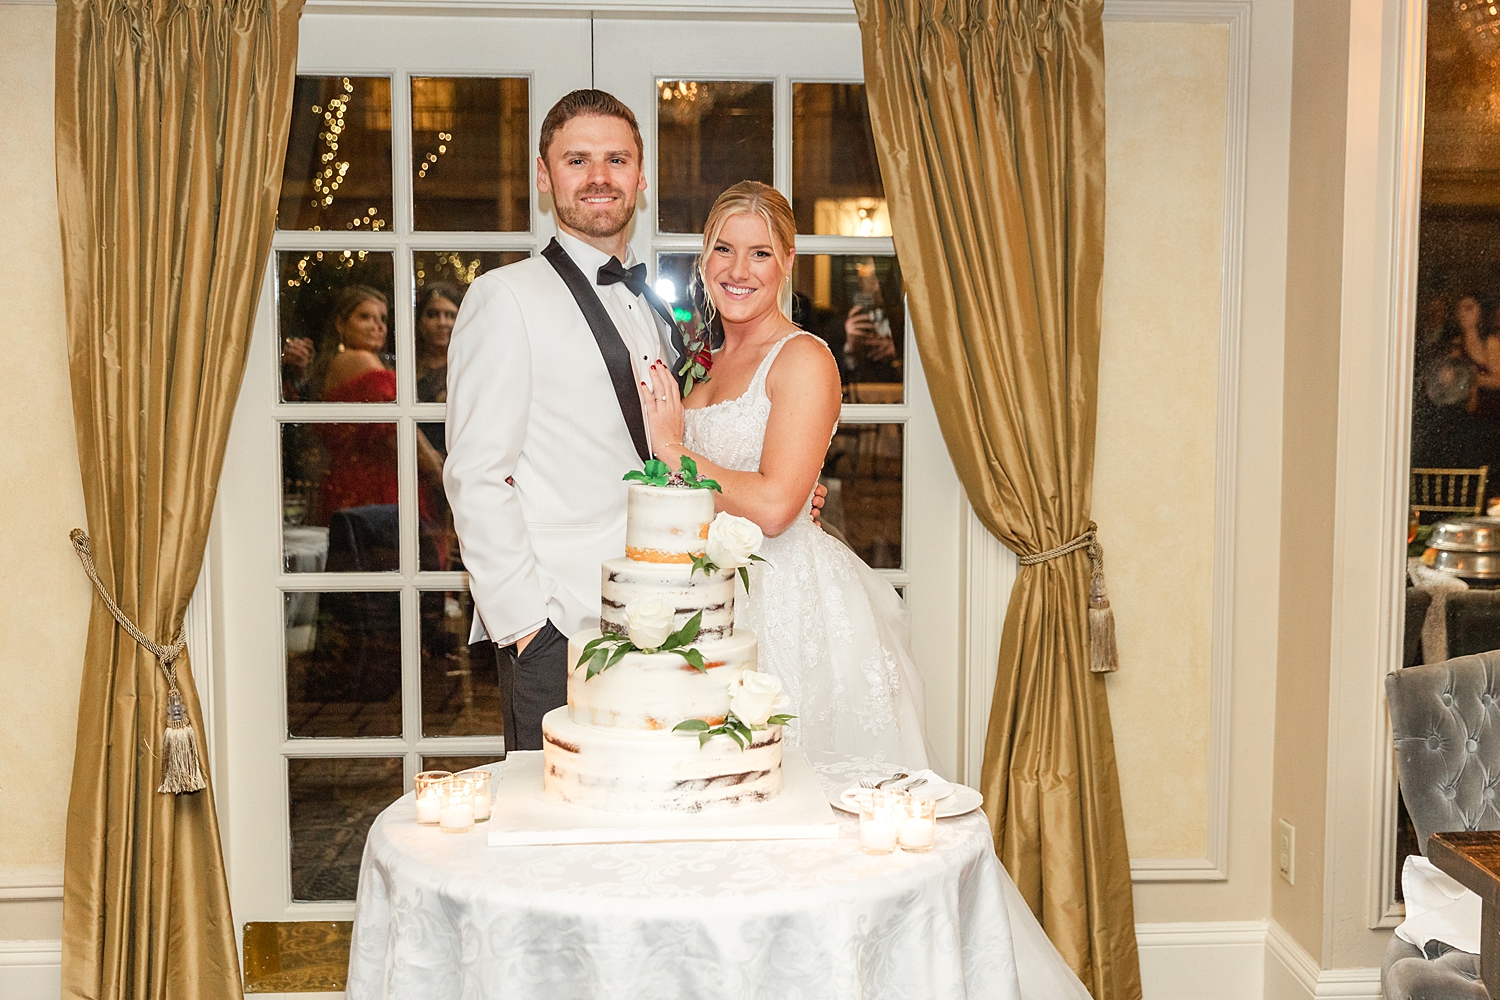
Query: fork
867, 783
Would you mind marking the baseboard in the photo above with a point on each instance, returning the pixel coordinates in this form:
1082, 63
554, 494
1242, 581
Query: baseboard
30, 970
1293, 974
1220, 960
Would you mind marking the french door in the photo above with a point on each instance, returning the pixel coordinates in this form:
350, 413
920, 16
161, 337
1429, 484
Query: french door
340, 606
784, 103
341, 596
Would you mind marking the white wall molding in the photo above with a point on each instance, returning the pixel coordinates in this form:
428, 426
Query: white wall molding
1235, 15
30, 970
1202, 961
1306, 977
989, 573
1384, 910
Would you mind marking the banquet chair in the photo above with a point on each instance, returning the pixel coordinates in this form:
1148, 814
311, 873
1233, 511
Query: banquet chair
1443, 720
1473, 619
1449, 491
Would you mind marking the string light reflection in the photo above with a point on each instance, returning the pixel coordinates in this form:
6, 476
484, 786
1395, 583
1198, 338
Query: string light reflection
328, 181
430, 160
337, 258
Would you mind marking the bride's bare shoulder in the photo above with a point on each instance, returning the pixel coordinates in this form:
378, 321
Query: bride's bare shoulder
804, 362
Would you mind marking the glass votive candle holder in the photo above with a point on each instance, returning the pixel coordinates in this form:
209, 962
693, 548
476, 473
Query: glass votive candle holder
918, 827
429, 807
879, 822
456, 800
479, 783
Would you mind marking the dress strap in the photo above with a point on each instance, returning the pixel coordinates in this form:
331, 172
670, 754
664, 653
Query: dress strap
758, 382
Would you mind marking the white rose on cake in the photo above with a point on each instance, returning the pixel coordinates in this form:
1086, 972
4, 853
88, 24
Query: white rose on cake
648, 621
732, 541
754, 697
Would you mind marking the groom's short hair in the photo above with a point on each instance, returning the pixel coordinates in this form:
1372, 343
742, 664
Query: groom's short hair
588, 102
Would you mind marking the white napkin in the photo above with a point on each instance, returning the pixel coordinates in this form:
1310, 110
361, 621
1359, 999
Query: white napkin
925, 784
1437, 907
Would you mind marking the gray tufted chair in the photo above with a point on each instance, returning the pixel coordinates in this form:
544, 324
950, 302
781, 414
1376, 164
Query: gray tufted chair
1446, 721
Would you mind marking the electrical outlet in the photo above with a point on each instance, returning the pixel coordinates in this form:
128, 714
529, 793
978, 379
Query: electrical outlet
1286, 851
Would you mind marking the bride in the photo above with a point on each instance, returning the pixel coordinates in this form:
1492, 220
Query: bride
830, 628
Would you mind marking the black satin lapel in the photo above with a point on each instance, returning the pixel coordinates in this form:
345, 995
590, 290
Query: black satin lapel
611, 347
665, 312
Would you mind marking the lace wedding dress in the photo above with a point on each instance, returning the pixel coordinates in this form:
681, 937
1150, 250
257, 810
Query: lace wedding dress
830, 628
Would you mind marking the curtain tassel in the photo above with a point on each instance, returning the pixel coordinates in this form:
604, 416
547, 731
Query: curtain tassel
1104, 654
180, 770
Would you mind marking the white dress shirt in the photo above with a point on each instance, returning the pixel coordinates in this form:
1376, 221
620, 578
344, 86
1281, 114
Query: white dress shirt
631, 313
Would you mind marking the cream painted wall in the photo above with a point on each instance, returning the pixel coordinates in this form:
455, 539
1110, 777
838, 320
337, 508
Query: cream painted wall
1166, 99
46, 593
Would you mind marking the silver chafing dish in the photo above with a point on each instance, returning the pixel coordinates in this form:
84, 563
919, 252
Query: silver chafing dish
1466, 546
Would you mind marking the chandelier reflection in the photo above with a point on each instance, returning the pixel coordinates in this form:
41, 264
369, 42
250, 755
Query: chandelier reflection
679, 90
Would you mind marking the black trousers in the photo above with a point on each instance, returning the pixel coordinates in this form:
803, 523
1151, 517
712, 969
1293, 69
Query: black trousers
531, 685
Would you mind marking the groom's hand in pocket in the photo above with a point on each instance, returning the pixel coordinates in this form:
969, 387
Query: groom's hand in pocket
819, 493
525, 641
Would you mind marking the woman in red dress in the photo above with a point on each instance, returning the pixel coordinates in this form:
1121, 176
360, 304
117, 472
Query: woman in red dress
362, 457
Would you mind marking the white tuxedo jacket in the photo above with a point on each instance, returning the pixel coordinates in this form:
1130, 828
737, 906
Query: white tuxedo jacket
530, 400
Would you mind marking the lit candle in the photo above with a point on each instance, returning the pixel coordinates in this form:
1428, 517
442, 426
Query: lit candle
479, 781
878, 819
428, 809
428, 786
458, 814
877, 836
918, 825
916, 834
457, 797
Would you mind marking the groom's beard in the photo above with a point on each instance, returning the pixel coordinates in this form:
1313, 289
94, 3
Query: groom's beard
590, 221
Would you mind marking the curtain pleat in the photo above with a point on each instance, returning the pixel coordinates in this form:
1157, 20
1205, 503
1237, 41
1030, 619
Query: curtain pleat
172, 121
989, 124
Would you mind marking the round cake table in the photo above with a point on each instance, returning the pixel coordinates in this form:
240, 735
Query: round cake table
445, 916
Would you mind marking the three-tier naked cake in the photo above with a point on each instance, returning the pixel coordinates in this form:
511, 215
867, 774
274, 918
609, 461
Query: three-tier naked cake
613, 746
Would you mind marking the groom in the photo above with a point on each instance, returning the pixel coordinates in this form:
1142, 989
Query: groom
544, 414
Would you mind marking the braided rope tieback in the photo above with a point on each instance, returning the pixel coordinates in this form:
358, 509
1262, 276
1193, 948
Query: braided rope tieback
180, 769
1104, 652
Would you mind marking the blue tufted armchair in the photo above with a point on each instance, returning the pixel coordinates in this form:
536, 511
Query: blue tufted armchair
1446, 721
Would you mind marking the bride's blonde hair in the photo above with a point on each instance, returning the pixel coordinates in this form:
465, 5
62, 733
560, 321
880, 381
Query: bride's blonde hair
768, 204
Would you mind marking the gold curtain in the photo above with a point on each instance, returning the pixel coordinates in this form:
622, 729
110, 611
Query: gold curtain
172, 120
989, 124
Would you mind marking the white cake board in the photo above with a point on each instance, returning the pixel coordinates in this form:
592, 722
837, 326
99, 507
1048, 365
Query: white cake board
523, 816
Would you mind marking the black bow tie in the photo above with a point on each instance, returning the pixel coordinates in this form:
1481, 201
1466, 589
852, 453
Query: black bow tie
634, 278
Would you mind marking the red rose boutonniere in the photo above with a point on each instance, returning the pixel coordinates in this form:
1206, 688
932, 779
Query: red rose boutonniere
698, 358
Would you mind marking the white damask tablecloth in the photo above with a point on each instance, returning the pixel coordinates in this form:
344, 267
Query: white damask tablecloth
445, 916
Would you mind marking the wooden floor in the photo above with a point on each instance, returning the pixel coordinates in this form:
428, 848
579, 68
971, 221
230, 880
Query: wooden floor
304, 956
